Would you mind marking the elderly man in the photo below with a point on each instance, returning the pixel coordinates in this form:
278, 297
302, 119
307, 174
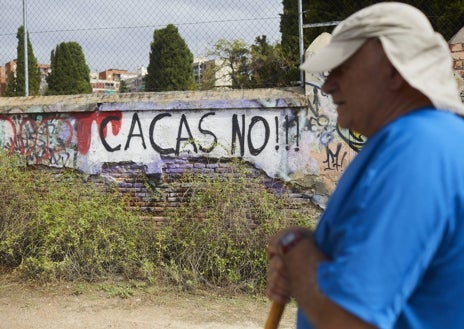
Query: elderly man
388, 251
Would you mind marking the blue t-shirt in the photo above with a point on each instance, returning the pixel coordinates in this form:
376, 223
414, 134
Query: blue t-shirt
394, 227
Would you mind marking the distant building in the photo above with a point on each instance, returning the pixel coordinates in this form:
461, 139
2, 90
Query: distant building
112, 74
2, 81
211, 74
136, 82
106, 82
5, 72
45, 70
10, 67
109, 81
104, 87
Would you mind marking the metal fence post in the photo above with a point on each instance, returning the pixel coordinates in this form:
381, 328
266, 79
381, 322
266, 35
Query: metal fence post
26, 61
300, 35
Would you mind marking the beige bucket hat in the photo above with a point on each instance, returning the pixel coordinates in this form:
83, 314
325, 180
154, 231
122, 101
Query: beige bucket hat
420, 54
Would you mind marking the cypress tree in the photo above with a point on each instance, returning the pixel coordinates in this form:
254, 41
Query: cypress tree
16, 83
70, 74
170, 66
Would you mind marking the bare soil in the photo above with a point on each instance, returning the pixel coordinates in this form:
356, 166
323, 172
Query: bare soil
92, 306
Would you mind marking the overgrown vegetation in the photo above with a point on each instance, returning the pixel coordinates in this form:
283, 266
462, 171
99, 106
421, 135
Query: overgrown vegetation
219, 233
57, 225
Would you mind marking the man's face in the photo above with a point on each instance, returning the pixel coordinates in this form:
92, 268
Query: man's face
358, 87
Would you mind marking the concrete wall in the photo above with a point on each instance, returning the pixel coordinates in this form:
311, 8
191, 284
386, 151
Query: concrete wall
457, 52
288, 134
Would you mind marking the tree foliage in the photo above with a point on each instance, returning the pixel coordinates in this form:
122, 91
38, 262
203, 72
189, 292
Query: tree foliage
70, 74
123, 87
260, 65
290, 36
16, 82
171, 62
269, 66
446, 19
235, 55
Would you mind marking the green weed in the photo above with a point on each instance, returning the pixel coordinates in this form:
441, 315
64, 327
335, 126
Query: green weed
59, 225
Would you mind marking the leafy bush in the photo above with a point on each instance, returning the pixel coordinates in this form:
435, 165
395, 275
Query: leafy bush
56, 225
218, 234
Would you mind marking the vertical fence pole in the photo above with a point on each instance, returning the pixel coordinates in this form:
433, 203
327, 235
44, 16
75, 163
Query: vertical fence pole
300, 36
26, 61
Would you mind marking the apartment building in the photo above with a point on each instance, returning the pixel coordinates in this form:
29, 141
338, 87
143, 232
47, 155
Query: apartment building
136, 84
10, 68
45, 70
2, 80
5, 72
211, 74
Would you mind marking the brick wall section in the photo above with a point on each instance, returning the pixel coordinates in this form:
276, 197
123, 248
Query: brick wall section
154, 195
457, 52
74, 132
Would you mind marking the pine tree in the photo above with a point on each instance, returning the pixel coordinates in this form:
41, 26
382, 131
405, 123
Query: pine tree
17, 83
171, 62
70, 74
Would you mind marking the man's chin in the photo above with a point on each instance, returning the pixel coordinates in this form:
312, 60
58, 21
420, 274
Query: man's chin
341, 123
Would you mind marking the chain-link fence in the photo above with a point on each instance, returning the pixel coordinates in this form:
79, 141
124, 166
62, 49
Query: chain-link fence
118, 33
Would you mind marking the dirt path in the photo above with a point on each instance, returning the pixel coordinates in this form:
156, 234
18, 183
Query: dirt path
91, 307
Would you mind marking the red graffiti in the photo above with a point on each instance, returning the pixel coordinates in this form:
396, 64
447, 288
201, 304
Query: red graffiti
84, 127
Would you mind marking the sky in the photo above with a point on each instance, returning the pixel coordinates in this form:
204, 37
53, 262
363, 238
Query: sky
117, 33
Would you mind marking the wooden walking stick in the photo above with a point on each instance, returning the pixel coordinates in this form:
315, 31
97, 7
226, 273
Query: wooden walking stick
275, 313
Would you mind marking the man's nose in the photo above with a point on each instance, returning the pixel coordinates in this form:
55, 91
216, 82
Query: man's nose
328, 86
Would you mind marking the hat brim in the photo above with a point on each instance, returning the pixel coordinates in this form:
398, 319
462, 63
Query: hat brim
331, 56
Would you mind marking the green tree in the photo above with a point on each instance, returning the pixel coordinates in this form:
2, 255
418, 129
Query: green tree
261, 65
446, 19
171, 62
268, 65
290, 37
208, 77
70, 74
12, 85
16, 83
123, 87
236, 56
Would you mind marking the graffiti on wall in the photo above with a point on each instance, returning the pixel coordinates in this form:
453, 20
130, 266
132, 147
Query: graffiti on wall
286, 138
88, 140
40, 139
248, 135
321, 121
339, 145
